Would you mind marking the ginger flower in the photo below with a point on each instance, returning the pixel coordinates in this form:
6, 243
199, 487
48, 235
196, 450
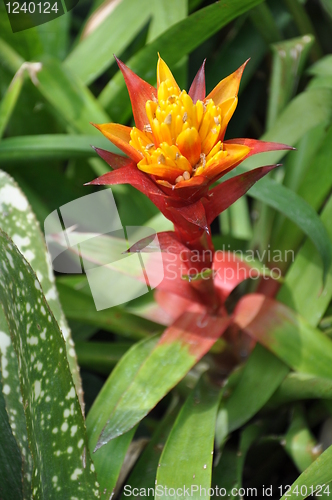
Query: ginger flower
177, 148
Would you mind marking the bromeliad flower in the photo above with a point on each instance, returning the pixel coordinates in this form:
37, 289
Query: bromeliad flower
177, 149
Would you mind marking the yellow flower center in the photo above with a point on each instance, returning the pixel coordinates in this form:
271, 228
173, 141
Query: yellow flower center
182, 139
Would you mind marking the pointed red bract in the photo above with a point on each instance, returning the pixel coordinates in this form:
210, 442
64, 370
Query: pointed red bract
257, 146
139, 92
227, 192
195, 214
197, 90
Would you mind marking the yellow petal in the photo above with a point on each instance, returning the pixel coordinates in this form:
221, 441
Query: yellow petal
189, 144
164, 74
227, 159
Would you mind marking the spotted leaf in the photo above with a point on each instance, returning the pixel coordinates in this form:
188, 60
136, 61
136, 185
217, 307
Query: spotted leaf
62, 465
20, 223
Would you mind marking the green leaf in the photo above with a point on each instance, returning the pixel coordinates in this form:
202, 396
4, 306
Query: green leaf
70, 98
306, 111
165, 14
94, 54
19, 222
318, 474
10, 458
100, 356
314, 189
289, 58
176, 42
297, 210
264, 22
109, 458
179, 348
262, 374
301, 289
51, 147
327, 5
144, 472
323, 67
186, 460
80, 306
11, 392
10, 58
286, 334
297, 386
54, 420
300, 444
225, 473
9, 100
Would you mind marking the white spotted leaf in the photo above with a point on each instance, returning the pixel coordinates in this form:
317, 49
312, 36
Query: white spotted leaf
11, 393
20, 223
55, 425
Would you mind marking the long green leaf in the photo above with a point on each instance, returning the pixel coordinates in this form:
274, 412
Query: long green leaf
19, 222
9, 100
289, 58
301, 289
261, 376
144, 473
10, 459
94, 54
286, 334
70, 98
317, 475
306, 111
186, 460
51, 147
109, 458
315, 187
11, 392
298, 386
54, 419
100, 356
298, 211
175, 43
179, 348
80, 306
300, 444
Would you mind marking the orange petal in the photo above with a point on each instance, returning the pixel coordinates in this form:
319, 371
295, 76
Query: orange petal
164, 73
228, 87
235, 154
119, 135
189, 144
